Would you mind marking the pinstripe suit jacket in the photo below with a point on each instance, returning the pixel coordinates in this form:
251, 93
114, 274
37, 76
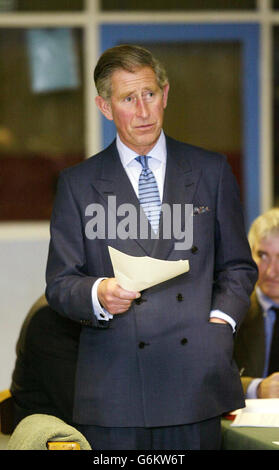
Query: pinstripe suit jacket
162, 362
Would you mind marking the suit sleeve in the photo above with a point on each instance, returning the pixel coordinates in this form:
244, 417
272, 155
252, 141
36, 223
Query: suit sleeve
235, 271
69, 286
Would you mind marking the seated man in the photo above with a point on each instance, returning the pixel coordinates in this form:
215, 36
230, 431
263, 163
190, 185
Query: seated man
257, 342
44, 374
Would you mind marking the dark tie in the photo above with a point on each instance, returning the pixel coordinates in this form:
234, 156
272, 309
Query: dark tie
274, 350
149, 196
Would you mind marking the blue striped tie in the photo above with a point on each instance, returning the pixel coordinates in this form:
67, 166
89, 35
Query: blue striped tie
149, 196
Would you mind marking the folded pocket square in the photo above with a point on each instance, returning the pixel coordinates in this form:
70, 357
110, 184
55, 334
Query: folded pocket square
200, 210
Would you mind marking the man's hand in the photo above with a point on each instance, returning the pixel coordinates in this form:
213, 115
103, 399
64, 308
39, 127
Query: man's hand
269, 387
113, 298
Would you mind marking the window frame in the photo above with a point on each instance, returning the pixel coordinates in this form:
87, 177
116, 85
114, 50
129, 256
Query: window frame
91, 20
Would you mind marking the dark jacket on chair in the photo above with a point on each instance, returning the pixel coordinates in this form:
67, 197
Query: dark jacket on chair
44, 375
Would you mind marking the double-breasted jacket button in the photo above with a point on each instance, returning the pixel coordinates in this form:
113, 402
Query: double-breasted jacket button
184, 341
142, 344
179, 297
139, 300
194, 249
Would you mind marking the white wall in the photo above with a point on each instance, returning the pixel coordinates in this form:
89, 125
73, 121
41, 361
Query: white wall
23, 254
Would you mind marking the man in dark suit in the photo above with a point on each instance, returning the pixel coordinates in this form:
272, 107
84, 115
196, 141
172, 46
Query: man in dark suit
255, 347
155, 368
43, 379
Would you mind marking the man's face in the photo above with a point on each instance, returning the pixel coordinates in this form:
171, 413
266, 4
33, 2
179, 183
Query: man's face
137, 107
266, 255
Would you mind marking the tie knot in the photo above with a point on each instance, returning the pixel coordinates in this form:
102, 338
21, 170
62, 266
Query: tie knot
143, 159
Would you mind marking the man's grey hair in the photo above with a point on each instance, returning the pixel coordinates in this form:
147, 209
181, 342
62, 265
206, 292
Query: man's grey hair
126, 57
263, 226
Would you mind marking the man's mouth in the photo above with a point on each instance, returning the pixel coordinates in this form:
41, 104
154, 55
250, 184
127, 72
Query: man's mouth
144, 126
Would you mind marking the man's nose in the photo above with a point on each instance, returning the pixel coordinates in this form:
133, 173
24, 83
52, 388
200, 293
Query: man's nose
273, 268
142, 108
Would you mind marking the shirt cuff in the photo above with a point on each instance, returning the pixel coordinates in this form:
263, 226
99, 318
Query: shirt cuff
99, 311
251, 391
223, 316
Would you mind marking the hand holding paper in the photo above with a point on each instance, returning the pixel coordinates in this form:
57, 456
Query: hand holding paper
113, 298
136, 273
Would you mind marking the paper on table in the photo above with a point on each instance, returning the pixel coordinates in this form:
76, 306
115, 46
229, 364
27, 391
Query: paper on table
135, 273
263, 412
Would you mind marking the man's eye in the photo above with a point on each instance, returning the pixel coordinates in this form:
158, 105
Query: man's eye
128, 99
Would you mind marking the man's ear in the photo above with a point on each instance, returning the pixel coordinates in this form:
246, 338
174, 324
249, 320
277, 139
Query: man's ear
165, 94
104, 107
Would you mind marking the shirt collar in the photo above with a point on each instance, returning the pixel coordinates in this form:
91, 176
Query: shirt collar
265, 301
158, 152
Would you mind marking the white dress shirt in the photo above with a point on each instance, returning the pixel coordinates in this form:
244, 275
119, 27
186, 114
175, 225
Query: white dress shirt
157, 164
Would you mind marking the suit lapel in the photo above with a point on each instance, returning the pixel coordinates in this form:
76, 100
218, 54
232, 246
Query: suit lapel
250, 345
179, 188
258, 332
115, 189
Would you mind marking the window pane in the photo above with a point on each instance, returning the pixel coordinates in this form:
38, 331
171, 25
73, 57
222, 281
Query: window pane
41, 119
205, 100
276, 114
39, 5
178, 5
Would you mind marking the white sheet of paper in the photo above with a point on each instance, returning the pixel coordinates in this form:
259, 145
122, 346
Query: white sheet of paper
262, 412
136, 273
